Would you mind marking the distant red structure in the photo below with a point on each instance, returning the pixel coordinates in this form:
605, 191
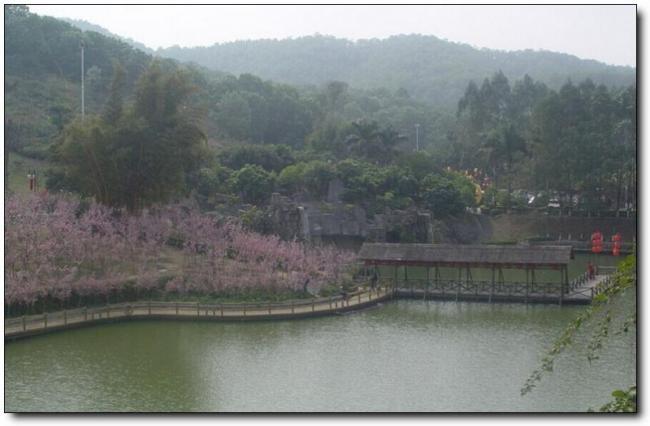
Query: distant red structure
616, 246
597, 242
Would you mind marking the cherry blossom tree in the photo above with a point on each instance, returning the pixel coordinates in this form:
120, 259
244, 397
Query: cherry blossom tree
61, 252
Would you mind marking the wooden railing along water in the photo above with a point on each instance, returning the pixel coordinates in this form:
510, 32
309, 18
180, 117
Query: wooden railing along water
579, 291
36, 324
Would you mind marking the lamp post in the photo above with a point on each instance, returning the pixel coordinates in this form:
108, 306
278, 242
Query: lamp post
417, 137
83, 106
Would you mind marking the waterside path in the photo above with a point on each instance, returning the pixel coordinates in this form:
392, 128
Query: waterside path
580, 291
26, 326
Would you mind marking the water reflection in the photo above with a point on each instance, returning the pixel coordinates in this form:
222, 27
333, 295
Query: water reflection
404, 356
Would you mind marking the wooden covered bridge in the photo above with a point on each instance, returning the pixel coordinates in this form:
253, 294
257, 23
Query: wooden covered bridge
493, 258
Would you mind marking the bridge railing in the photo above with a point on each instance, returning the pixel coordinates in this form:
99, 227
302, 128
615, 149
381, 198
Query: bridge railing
579, 281
482, 287
603, 285
72, 316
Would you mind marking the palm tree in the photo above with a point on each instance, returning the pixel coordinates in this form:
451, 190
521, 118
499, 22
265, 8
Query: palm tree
369, 141
501, 146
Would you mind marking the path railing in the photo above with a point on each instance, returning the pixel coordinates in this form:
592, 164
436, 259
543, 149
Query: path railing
447, 289
70, 317
478, 287
602, 286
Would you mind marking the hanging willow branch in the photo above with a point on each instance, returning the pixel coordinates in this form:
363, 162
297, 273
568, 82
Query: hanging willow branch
624, 278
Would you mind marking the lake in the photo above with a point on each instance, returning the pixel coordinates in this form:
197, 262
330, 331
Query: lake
401, 356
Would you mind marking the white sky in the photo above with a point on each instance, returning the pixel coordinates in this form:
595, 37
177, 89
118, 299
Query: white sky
601, 32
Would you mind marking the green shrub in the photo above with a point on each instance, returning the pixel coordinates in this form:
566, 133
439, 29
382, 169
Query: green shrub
253, 183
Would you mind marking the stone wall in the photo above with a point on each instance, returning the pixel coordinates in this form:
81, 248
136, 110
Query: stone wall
316, 220
561, 227
472, 228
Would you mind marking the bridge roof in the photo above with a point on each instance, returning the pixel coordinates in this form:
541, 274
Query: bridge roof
457, 255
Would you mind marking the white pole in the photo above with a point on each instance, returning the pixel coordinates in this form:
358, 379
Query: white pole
83, 106
417, 138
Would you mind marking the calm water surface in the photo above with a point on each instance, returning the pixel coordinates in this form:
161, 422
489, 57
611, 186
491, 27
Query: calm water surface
402, 356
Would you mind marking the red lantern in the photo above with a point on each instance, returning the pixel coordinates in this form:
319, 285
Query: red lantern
616, 247
597, 242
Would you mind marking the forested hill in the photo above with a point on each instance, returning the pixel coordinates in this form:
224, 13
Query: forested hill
432, 70
88, 26
42, 92
42, 75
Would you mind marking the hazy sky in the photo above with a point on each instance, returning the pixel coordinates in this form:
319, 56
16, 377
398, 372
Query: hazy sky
604, 33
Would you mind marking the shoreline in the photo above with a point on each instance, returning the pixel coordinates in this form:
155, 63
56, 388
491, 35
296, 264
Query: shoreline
35, 325
24, 327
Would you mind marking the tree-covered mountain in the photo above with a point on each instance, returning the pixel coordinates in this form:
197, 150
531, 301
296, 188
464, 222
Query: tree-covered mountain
43, 73
508, 135
433, 70
43, 92
89, 26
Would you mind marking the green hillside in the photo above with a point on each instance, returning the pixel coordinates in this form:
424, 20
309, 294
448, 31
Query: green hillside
43, 92
433, 70
89, 26
43, 73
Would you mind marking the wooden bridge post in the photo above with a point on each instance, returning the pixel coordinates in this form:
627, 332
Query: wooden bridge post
502, 279
491, 286
313, 304
561, 285
45, 320
426, 286
566, 278
330, 302
198, 312
292, 307
24, 324
149, 307
532, 280
395, 281
176, 308
526, 296
85, 313
221, 309
65, 317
